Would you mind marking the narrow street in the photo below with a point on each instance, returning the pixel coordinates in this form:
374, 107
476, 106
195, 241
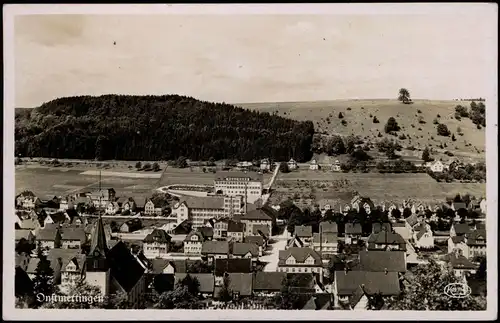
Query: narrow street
273, 255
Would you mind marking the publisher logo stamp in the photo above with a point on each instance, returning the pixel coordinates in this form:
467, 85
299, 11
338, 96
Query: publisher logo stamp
457, 290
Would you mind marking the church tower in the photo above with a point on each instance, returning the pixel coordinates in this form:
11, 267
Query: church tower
97, 267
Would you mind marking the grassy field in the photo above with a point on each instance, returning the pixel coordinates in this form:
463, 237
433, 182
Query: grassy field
313, 186
324, 115
49, 181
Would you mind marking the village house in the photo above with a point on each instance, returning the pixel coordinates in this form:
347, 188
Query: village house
267, 284
27, 200
112, 208
459, 229
231, 266
25, 234
245, 250
129, 205
207, 233
296, 242
423, 236
352, 287
207, 282
411, 222
292, 164
246, 184
73, 237
151, 209
156, 244
352, 233
455, 206
437, 166
211, 250
240, 285
336, 166
304, 232
462, 267
313, 165
100, 199
220, 228
255, 217
325, 205
300, 260
265, 164
49, 238
131, 226
363, 202
378, 226
259, 241
476, 241
236, 231
193, 243
56, 218
386, 240
381, 261
72, 270
325, 243
458, 244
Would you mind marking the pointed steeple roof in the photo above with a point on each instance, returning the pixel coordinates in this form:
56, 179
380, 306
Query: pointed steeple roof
98, 246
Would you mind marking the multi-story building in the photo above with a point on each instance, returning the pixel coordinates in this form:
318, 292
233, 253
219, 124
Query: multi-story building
325, 243
201, 209
300, 260
236, 231
246, 184
100, 199
193, 243
220, 228
212, 250
255, 217
112, 208
292, 164
156, 244
27, 200
386, 240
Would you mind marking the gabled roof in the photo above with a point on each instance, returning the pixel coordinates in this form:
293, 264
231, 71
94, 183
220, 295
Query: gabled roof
58, 217
234, 226
232, 265
206, 232
30, 224
46, 234
241, 249
300, 255
215, 247
22, 234
353, 228
241, 283
124, 267
303, 231
379, 261
262, 230
374, 282
159, 264
73, 233
257, 240
207, 281
412, 220
476, 238
327, 237
195, 233
461, 228
140, 201
158, 235
459, 261
318, 302
257, 214
384, 237
458, 239
268, 281
328, 226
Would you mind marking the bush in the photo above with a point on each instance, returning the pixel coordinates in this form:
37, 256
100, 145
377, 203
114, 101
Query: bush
449, 153
418, 111
138, 165
147, 166
435, 121
453, 137
442, 130
420, 129
457, 116
402, 136
348, 109
341, 116
438, 116
461, 111
391, 125
478, 126
344, 123
421, 120
375, 120
379, 135
412, 125
156, 167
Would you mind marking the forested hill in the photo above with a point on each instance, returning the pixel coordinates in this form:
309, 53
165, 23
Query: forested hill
166, 127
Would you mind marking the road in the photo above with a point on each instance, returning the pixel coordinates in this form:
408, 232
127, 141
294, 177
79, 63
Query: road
273, 257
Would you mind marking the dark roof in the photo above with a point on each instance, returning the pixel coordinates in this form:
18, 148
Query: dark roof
393, 261
234, 226
458, 239
58, 217
183, 228
377, 227
318, 302
326, 237
374, 282
303, 231
232, 265
353, 228
140, 201
476, 238
159, 264
412, 220
300, 255
461, 228
241, 249
46, 234
207, 281
328, 226
257, 214
158, 235
207, 232
261, 229
258, 240
74, 233
22, 234
241, 283
384, 237
209, 202
459, 262
124, 267
133, 225
195, 233
459, 205
215, 247
268, 281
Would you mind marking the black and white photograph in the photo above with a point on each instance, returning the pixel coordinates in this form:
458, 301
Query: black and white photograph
247, 162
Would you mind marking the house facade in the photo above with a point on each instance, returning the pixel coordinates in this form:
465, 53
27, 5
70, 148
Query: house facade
193, 243
423, 236
313, 165
300, 260
253, 218
292, 164
248, 185
156, 244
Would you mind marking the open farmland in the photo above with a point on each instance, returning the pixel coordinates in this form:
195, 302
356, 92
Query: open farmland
310, 187
324, 115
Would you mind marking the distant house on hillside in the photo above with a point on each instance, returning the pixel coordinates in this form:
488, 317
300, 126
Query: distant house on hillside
336, 166
314, 165
436, 167
265, 164
292, 164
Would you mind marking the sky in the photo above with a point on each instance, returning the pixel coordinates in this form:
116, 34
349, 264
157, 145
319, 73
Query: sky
253, 58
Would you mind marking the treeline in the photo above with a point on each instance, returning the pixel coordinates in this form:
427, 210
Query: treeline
126, 127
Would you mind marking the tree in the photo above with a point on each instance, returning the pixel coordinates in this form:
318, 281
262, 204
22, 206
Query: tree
296, 218
43, 283
341, 116
391, 152
101, 147
453, 137
404, 96
211, 161
426, 155
375, 120
406, 212
138, 165
396, 213
179, 298
147, 166
294, 292
182, 162
18, 161
156, 167
425, 291
335, 146
284, 168
375, 302
200, 267
225, 294
391, 125
442, 130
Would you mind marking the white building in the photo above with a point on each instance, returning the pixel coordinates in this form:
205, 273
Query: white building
156, 244
193, 243
201, 209
292, 164
314, 165
336, 166
300, 260
112, 208
246, 184
437, 166
265, 164
423, 236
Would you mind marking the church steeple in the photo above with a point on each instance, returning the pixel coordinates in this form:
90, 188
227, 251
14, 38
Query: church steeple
98, 248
